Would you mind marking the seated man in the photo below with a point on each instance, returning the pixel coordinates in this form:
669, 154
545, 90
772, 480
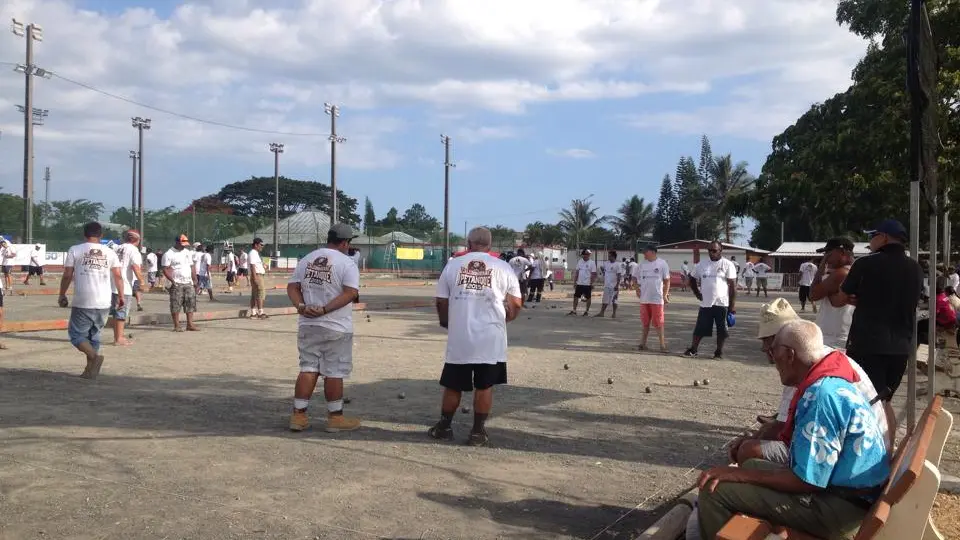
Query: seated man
838, 459
765, 443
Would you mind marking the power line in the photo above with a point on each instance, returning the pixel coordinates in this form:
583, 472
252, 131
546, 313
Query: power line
180, 115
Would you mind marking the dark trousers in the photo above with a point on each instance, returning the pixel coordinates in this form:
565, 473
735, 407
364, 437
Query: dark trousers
536, 286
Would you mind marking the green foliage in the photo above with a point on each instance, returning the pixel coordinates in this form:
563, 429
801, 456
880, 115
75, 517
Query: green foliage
579, 222
539, 233
504, 238
369, 216
634, 220
416, 218
665, 216
256, 197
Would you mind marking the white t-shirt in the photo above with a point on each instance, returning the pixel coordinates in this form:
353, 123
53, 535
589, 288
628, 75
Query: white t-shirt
611, 271
807, 272
863, 385
761, 269
322, 276
256, 263
197, 259
129, 256
537, 271
519, 265
748, 271
736, 266
181, 262
205, 261
477, 285
650, 276
685, 268
244, 260
585, 269
35, 258
954, 280
713, 276
8, 255
356, 259
151, 262
631, 268
231, 263
93, 266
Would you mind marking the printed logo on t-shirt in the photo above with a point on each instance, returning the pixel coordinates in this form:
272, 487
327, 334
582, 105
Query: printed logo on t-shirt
94, 260
319, 271
475, 276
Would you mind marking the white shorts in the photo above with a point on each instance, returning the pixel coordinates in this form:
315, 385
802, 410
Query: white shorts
611, 295
325, 351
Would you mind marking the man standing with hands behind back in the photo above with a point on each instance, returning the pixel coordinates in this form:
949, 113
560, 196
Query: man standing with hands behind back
477, 295
714, 283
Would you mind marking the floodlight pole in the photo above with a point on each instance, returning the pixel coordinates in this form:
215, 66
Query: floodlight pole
141, 124
334, 112
277, 149
32, 33
134, 157
447, 165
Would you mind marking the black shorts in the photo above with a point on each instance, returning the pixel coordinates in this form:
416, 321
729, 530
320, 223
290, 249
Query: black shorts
231, 277
466, 377
7, 270
884, 370
804, 293
242, 272
707, 318
35, 271
583, 291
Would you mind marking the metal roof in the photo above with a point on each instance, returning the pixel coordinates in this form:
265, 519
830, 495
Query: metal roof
724, 244
304, 228
809, 249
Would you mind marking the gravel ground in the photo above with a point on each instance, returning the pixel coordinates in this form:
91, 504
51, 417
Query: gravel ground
184, 435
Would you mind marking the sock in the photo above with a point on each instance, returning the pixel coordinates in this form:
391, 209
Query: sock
445, 420
335, 407
301, 404
479, 419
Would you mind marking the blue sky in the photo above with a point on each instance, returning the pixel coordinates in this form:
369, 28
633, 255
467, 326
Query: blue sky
545, 101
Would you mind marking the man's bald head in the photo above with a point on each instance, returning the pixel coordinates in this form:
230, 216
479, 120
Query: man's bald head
479, 239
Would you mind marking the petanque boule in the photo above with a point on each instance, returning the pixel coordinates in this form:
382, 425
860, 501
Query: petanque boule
346, 400
465, 410
648, 390
696, 383
566, 366
402, 395
609, 381
706, 382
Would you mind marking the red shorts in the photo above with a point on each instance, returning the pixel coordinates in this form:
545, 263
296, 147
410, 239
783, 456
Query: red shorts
651, 314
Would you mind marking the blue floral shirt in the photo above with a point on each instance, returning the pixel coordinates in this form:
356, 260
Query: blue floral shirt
836, 439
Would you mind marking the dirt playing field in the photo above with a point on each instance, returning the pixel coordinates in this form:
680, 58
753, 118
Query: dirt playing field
184, 435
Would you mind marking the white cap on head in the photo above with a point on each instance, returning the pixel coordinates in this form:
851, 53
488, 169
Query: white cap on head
773, 316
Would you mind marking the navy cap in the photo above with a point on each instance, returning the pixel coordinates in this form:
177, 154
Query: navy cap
889, 227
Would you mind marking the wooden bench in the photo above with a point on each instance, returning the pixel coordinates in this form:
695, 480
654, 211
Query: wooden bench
903, 509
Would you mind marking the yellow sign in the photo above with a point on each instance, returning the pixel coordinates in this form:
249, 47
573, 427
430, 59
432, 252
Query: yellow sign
409, 254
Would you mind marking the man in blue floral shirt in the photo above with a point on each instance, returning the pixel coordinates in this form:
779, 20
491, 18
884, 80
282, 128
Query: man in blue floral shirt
838, 459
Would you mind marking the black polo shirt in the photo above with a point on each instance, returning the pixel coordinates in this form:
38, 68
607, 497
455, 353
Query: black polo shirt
887, 284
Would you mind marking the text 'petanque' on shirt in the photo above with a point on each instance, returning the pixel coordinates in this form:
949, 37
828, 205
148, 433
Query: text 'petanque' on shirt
476, 286
322, 275
93, 266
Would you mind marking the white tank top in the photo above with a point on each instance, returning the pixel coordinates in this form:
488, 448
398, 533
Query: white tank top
834, 322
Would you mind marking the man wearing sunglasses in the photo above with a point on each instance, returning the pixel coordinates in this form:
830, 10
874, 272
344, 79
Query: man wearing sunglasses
714, 283
885, 287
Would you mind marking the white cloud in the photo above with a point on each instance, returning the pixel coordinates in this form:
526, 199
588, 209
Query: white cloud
271, 66
573, 153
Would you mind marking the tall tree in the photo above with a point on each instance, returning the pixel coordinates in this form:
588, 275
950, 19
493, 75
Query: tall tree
664, 224
706, 160
578, 221
727, 182
539, 233
391, 220
369, 216
689, 195
255, 197
504, 238
634, 220
416, 218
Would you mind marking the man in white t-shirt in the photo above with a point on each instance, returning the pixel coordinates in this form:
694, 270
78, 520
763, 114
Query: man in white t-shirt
152, 263
748, 275
612, 274
761, 268
204, 283
538, 272
477, 295
180, 271
130, 261
583, 278
35, 268
92, 268
258, 291
323, 288
230, 265
714, 283
807, 272
684, 276
243, 268
7, 257
521, 267
652, 276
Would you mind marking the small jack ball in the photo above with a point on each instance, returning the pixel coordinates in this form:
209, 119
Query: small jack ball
647, 390
609, 381
402, 395
566, 366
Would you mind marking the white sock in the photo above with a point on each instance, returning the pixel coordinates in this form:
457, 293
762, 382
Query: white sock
300, 404
335, 406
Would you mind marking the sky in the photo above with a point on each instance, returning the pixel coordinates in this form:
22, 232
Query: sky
544, 100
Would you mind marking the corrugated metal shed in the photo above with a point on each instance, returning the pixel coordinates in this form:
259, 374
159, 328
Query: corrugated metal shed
809, 249
690, 244
305, 228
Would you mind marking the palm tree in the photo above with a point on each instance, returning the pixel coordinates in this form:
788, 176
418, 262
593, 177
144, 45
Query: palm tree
579, 220
635, 220
727, 182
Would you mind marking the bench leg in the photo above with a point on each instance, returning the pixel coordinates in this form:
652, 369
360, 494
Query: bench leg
931, 532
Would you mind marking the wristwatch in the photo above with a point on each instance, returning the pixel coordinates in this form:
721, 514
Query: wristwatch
300, 307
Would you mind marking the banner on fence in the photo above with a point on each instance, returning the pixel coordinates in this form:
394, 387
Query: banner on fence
774, 282
409, 254
23, 252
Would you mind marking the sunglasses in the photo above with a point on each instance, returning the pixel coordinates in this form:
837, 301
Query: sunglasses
713, 250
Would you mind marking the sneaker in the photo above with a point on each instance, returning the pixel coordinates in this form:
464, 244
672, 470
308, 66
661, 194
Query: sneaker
689, 353
299, 421
718, 355
338, 422
139, 308
478, 439
441, 433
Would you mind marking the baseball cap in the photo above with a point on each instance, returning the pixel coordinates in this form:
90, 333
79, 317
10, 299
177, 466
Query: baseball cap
256, 241
342, 232
890, 227
182, 240
773, 316
586, 252
836, 243
650, 247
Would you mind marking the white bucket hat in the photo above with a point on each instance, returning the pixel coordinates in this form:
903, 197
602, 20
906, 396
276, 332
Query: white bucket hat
773, 316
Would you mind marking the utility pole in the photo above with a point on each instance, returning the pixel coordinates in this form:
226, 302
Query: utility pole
277, 149
334, 112
447, 165
31, 32
46, 195
141, 124
39, 117
134, 157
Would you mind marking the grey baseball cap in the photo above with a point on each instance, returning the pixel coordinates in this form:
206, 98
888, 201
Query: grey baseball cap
342, 232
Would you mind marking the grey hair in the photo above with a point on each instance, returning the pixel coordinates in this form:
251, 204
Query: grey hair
804, 337
130, 236
480, 237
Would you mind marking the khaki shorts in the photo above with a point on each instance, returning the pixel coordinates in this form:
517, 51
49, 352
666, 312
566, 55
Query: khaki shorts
325, 351
256, 286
